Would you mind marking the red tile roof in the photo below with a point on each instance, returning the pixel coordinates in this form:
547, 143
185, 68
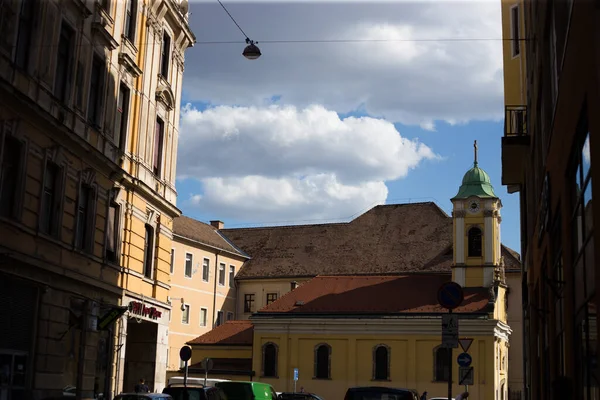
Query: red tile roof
388, 239
415, 293
231, 333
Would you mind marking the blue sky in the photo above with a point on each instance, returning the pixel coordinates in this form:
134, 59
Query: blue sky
268, 141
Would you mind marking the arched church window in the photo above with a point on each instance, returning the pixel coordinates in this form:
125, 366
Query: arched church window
441, 364
381, 362
475, 242
323, 361
270, 360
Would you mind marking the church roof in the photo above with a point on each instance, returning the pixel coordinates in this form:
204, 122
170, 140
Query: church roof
476, 182
231, 333
388, 239
361, 295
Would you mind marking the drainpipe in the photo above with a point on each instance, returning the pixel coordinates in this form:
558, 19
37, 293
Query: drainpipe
215, 291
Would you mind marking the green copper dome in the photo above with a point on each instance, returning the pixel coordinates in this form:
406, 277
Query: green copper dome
476, 182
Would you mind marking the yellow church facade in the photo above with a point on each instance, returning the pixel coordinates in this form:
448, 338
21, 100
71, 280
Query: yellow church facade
357, 302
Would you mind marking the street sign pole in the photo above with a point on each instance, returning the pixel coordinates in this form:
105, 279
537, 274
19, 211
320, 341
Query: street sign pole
450, 367
185, 374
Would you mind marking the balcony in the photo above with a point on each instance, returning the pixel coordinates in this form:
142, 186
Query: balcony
515, 147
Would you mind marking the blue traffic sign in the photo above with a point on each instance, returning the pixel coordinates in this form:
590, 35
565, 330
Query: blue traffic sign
464, 360
295, 374
450, 295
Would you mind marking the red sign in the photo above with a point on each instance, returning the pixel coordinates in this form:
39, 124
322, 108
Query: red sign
135, 307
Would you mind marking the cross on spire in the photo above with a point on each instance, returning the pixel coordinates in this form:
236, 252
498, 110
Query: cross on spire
475, 151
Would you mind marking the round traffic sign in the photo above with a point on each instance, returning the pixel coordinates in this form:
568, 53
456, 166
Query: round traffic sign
464, 360
450, 295
185, 353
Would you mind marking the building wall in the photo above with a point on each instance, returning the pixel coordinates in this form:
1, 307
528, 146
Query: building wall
260, 288
411, 355
198, 293
514, 62
515, 321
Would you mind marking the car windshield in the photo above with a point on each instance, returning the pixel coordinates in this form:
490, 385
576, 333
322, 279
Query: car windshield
236, 390
178, 393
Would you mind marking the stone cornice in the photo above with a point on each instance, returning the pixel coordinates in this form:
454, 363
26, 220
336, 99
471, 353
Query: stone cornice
459, 214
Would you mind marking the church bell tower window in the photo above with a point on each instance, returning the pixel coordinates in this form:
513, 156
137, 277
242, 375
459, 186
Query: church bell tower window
475, 242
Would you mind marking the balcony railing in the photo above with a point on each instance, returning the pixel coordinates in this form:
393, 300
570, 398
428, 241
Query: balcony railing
515, 121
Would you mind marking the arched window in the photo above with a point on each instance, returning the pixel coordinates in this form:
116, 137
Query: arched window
381, 362
322, 361
474, 242
269, 364
440, 362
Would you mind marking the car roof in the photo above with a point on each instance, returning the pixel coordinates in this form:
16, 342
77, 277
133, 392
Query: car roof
152, 395
378, 388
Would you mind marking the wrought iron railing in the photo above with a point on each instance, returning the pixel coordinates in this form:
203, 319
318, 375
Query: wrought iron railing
515, 121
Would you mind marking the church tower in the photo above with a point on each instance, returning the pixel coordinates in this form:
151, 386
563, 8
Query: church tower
476, 219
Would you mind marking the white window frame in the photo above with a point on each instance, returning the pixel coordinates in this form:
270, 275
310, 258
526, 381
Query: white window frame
231, 281
185, 265
204, 320
207, 260
514, 42
172, 267
224, 277
189, 309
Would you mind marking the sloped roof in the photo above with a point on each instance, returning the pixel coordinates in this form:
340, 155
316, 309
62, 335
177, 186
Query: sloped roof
347, 295
388, 239
203, 233
231, 333
225, 366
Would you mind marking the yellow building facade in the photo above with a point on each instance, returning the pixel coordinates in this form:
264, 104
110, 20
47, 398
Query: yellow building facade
355, 304
203, 291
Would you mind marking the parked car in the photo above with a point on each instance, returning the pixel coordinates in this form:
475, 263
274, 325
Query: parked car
143, 396
194, 392
297, 396
240, 390
379, 393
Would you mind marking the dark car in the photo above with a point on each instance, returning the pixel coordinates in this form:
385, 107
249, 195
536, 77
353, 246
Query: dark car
143, 396
379, 393
194, 392
298, 396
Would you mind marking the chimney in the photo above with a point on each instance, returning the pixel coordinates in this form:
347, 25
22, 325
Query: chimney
217, 224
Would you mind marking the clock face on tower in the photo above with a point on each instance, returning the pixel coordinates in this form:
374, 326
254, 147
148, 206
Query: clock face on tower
473, 206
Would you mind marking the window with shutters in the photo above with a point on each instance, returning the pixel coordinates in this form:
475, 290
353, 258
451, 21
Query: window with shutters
96, 93
10, 174
112, 233
130, 19
149, 251
159, 136
165, 55
84, 237
64, 61
51, 199
122, 116
23, 49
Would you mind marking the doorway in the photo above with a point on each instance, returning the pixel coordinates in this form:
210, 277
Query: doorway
140, 354
13, 374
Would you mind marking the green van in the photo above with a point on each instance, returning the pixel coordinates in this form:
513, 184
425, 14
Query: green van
236, 390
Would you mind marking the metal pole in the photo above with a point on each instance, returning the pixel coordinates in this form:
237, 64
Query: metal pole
295, 386
450, 368
205, 373
185, 374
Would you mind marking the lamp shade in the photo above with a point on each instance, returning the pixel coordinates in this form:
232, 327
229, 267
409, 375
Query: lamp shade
251, 52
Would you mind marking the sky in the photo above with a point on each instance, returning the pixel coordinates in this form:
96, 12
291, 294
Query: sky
322, 132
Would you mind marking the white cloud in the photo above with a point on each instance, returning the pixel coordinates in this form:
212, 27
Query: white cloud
407, 79
282, 162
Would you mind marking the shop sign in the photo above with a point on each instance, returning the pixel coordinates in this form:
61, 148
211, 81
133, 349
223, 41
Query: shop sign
136, 307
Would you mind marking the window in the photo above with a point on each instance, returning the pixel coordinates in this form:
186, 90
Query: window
269, 361
130, 19
515, 27
229, 316
205, 269
381, 363
222, 274
64, 56
172, 261
9, 175
322, 361
248, 303
158, 146
79, 85
96, 92
185, 314
220, 318
122, 117
188, 265
112, 233
84, 237
50, 203
24, 35
474, 242
231, 276
165, 55
203, 315
271, 297
441, 360
148, 251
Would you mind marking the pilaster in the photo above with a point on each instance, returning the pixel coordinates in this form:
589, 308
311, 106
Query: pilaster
488, 236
